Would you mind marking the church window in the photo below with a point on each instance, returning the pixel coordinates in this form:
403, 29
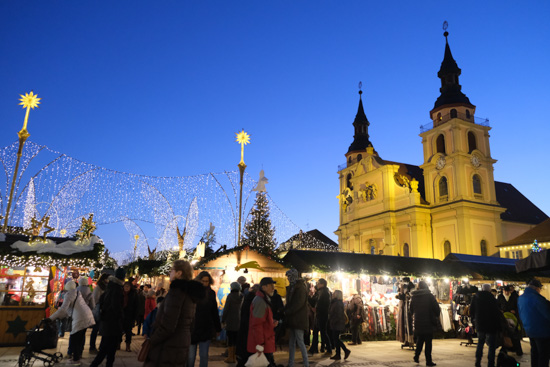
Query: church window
447, 248
476, 180
443, 189
349, 159
406, 250
454, 114
359, 157
471, 142
440, 144
468, 114
348, 182
439, 116
483, 246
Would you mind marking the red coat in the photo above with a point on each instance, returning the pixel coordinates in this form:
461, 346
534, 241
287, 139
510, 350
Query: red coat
150, 305
261, 330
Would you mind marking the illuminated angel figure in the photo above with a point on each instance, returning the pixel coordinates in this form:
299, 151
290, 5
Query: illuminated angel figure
261, 183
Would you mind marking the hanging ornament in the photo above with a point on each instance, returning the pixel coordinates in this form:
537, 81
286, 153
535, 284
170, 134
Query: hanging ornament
87, 228
36, 227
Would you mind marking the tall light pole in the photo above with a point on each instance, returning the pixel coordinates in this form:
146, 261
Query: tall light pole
28, 101
243, 139
136, 237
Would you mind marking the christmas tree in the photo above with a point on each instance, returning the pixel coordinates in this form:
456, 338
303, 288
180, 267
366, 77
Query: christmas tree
258, 231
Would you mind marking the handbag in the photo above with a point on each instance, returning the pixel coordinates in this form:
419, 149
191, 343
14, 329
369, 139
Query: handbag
144, 351
69, 326
257, 359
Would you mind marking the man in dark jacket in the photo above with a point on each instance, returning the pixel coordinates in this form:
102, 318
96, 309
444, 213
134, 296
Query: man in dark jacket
425, 311
534, 311
321, 319
296, 315
112, 314
486, 318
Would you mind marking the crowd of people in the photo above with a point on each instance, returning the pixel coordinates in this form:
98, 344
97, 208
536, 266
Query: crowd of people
181, 322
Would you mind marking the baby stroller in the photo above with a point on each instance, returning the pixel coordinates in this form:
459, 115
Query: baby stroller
513, 328
42, 336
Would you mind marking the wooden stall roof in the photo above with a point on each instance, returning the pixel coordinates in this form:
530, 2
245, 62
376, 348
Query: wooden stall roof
242, 255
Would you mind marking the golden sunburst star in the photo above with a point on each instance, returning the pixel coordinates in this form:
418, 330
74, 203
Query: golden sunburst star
242, 138
87, 228
30, 100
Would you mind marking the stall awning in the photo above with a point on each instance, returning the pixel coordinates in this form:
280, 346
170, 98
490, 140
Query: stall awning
484, 267
310, 261
536, 261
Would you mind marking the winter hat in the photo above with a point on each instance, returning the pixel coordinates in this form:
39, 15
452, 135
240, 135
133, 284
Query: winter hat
241, 280
83, 281
292, 276
486, 287
235, 286
70, 285
120, 273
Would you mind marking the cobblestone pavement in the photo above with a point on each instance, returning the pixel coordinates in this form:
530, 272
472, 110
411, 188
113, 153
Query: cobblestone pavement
446, 352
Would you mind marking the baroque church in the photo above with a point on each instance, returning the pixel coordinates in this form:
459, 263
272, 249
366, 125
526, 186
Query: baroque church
451, 203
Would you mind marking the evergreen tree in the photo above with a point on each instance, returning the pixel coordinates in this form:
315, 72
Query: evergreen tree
258, 231
209, 239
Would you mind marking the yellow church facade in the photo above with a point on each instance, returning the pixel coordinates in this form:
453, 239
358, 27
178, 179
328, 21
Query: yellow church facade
448, 204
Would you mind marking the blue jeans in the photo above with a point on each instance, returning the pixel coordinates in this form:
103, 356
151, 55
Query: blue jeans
491, 342
296, 336
203, 354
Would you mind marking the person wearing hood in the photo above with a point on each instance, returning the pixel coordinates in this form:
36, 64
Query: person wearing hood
171, 335
99, 289
231, 317
296, 315
207, 322
75, 306
425, 311
112, 314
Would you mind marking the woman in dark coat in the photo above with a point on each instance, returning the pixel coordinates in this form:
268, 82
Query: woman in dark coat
242, 340
425, 311
171, 334
356, 318
232, 319
337, 324
207, 322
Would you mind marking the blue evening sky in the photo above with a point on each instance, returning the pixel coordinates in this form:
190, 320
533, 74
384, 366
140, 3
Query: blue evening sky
160, 87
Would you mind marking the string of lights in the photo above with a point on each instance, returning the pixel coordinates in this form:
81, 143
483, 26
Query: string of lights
66, 190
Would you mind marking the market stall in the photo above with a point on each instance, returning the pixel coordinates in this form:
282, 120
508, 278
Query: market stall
33, 273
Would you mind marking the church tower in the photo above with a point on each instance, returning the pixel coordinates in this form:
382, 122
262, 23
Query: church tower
458, 171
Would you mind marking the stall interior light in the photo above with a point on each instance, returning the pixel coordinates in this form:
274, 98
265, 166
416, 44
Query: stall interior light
386, 277
429, 280
363, 276
339, 275
446, 280
315, 274
465, 280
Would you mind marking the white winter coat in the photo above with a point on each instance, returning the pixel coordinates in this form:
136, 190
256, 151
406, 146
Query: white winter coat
81, 313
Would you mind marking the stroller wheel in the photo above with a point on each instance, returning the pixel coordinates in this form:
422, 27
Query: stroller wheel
24, 360
48, 363
58, 357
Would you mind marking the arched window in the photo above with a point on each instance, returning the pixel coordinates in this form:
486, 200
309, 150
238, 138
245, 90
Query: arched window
447, 248
439, 116
483, 246
471, 142
476, 180
348, 181
406, 250
349, 159
443, 189
453, 113
359, 157
468, 114
440, 144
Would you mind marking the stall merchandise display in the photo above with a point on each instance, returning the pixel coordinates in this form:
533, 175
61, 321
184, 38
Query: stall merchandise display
23, 286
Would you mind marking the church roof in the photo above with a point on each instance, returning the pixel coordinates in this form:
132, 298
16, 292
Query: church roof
540, 232
518, 207
313, 239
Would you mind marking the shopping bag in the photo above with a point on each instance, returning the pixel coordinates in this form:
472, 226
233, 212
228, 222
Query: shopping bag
257, 360
144, 351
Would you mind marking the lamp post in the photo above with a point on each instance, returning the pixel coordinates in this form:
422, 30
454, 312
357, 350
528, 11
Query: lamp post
243, 139
28, 101
136, 237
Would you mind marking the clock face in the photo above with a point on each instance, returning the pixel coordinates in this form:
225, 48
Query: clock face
476, 162
440, 163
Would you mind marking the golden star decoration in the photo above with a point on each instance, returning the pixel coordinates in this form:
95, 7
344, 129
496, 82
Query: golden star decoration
30, 100
87, 228
242, 138
36, 227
